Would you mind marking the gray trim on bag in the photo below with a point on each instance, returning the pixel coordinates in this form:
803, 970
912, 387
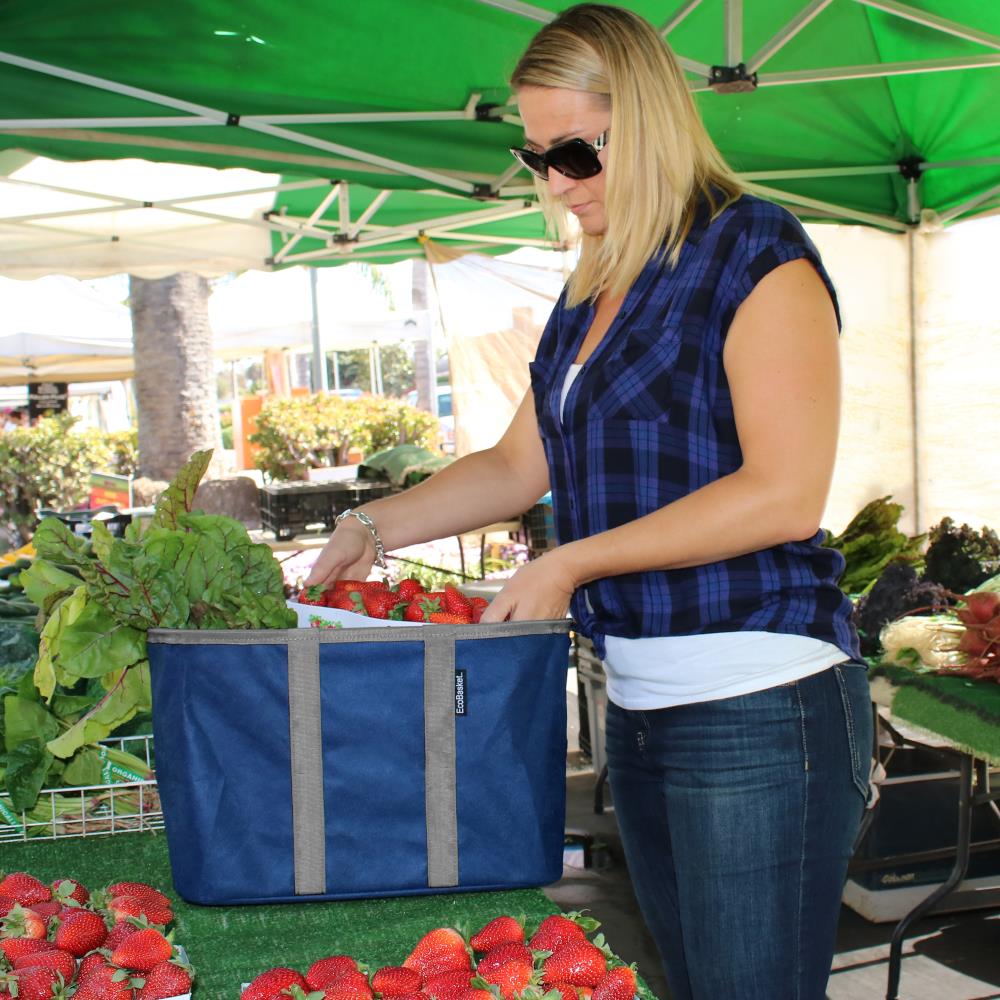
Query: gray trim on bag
440, 783
418, 633
305, 742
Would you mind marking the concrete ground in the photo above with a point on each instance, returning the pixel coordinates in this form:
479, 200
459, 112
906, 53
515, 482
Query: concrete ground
946, 957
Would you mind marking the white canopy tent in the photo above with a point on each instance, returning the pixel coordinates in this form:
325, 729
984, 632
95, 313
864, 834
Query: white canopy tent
58, 330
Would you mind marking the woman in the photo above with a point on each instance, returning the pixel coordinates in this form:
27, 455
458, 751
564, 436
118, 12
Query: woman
683, 411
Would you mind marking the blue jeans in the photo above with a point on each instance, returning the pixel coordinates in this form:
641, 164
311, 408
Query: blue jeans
738, 817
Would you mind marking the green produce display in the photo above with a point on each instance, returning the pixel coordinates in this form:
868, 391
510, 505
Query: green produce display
98, 598
871, 541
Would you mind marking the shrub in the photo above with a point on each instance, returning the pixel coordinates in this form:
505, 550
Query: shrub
49, 465
309, 432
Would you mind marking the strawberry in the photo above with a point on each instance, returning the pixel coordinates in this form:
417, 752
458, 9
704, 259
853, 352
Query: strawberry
164, 980
25, 888
500, 930
380, 604
65, 889
121, 930
55, 958
618, 984
47, 910
455, 602
89, 962
270, 984
24, 923
350, 986
440, 950
512, 978
80, 931
413, 612
140, 890
446, 618
557, 930
6, 905
503, 954
567, 990
15, 946
121, 907
340, 602
578, 963
142, 950
446, 985
105, 982
409, 588
479, 605
324, 972
395, 980
39, 983
471, 993
418, 995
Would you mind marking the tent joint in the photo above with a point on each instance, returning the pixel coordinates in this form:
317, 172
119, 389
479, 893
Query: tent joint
484, 192
911, 167
731, 79
484, 113
232, 119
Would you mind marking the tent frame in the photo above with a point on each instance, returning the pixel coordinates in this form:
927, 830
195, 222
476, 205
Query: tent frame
504, 196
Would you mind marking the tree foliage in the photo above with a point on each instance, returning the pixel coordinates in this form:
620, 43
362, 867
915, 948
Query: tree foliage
309, 432
49, 465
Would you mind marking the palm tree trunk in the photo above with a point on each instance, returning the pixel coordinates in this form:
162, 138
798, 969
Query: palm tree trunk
423, 363
175, 386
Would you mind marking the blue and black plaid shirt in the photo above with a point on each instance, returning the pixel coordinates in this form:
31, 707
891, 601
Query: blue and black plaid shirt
649, 419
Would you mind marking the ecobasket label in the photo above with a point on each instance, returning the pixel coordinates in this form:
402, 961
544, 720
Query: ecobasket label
461, 698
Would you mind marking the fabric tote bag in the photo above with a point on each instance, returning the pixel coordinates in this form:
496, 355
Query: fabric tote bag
298, 764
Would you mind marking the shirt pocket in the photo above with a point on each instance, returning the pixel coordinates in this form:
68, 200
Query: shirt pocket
636, 381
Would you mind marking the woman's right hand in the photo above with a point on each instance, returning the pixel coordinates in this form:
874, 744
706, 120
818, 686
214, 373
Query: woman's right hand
349, 554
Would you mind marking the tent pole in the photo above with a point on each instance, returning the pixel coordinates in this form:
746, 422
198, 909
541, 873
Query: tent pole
319, 383
918, 514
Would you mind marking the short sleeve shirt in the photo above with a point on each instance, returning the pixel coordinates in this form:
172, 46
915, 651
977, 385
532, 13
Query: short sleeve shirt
649, 419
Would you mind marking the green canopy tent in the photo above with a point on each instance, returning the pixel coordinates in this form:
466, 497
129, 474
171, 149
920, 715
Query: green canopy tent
872, 111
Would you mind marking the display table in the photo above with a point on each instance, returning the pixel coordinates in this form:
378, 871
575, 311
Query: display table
958, 719
229, 945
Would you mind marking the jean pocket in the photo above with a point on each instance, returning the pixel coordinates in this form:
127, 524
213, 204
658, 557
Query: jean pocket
852, 682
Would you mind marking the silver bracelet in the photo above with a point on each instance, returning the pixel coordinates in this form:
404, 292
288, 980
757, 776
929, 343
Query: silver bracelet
370, 525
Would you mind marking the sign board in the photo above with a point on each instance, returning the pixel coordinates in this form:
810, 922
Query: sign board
109, 489
46, 397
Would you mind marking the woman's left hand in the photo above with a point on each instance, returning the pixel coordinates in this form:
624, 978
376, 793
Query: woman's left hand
538, 591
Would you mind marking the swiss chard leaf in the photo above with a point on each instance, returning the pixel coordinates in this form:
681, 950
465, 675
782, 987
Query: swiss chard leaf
28, 766
63, 615
95, 640
44, 583
178, 498
26, 720
83, 768
129, 691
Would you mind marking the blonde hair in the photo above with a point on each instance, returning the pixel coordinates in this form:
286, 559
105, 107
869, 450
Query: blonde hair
660, 158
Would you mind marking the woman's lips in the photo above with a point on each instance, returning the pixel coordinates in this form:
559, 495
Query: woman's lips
577, 209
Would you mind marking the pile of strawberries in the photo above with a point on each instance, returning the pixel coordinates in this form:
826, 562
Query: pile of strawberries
60, 941
407, 601
499, 962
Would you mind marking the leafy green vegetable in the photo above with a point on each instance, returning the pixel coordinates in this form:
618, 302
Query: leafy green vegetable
99, 598
27, 768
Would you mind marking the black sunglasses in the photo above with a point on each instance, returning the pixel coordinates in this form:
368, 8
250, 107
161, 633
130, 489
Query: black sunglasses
574, 158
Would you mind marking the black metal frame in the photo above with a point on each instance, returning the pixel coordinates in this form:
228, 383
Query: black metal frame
974, 790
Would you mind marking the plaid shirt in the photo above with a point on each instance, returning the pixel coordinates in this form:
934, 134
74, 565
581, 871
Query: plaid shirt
649, 419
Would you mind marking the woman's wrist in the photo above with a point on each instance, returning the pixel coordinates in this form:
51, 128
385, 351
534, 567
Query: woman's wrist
358, 520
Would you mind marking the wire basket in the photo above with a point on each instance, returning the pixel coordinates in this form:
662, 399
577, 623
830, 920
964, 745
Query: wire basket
125, 804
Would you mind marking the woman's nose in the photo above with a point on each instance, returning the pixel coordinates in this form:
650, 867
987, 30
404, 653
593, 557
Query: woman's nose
558, 183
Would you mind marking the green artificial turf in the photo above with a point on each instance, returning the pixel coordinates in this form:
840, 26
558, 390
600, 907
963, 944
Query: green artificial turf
229, 945
965, 712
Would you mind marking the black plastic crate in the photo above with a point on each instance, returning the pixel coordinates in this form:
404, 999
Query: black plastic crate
288, 509
81, 522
